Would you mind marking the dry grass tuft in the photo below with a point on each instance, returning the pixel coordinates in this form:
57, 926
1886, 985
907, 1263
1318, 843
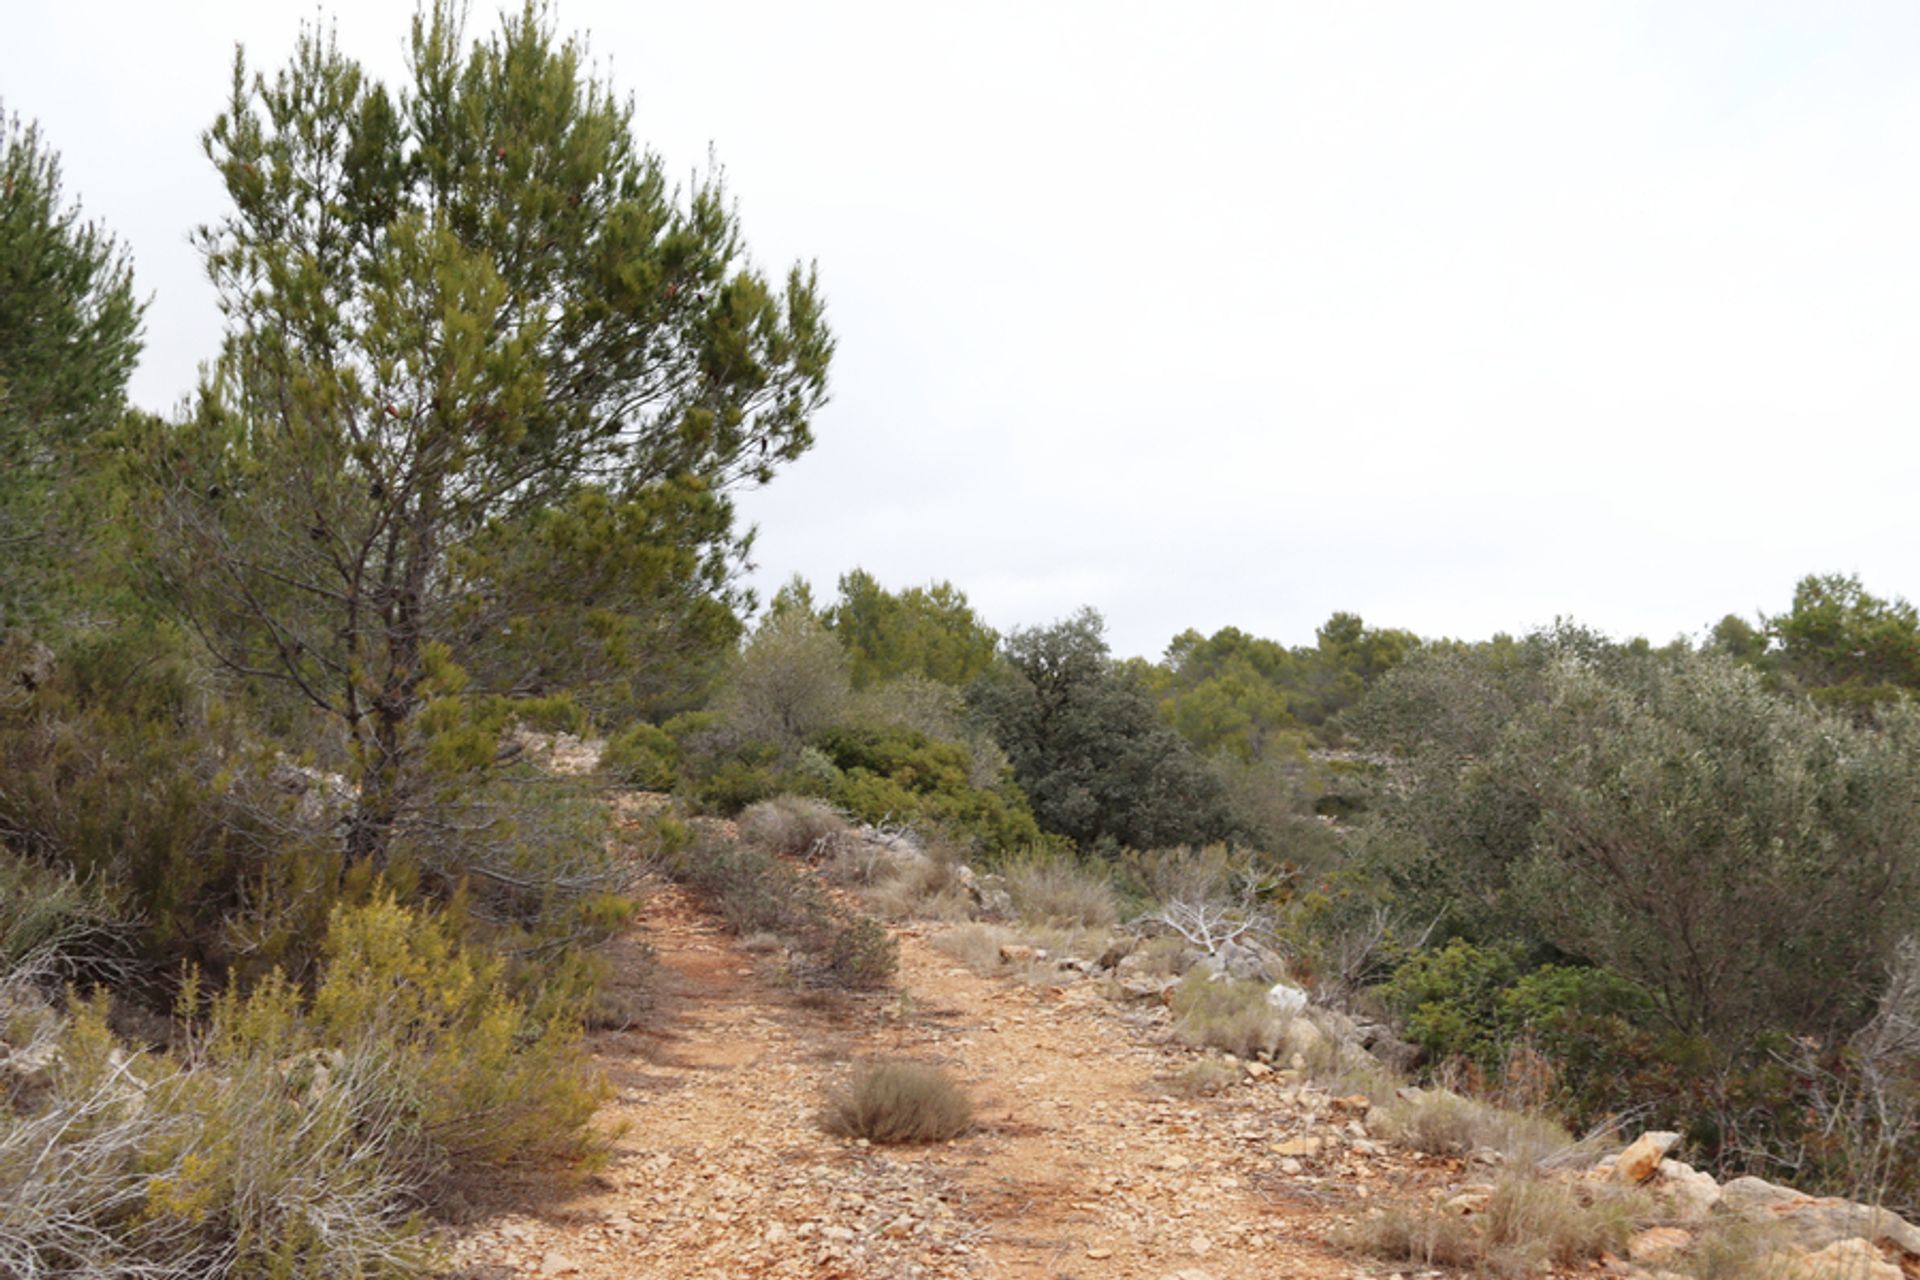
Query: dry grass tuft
1442, 1123
1062, 891
977, 946
926, 888
1731, 1249
898, 1102
1528, 1225
1227, 1014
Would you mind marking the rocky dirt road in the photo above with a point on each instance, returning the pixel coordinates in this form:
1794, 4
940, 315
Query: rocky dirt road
1079, 1165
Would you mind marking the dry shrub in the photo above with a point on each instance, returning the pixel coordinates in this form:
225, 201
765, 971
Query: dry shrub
793, 826
1529, 1224
1160, 956
241, 1159
1440, 1122
1422, 1235
898, 1102
855, 862
977, 946
1058, 891
1344, 1070
925, 888
855, 952
1226, 1014
755, 892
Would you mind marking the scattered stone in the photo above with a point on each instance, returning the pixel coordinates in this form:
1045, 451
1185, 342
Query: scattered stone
1469, 1202
558, 1264
1308, 1147
1286, 998
1641, 1160
1850, 1259
1098, 1254
1302, 1037
1749, 1195
1692, 1192
1656, 1243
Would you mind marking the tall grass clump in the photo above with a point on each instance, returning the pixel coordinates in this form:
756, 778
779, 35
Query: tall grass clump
898, 1103
1059, 890
1528, 1225
1226, 1014
1440, 1122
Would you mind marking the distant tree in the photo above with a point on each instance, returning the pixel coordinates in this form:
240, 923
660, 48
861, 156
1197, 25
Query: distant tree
1088, 747
1740, 640
928, 631
1230, 692
69, 339
1846, 647
789, 684
473, 337
1347, 658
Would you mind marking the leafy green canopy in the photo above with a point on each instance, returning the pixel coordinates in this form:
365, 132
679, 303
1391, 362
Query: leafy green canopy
488, 380
1750, 860
1846, 647
927, 631
69, 339
1256, 699
1088, 747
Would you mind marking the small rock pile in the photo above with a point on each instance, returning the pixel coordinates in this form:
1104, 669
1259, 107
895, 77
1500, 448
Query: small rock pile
1822, 1238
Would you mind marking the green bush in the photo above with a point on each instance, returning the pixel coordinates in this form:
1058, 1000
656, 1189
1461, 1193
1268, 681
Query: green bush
123, 780
643, 756
906, 777
489, 1081
1452, 1002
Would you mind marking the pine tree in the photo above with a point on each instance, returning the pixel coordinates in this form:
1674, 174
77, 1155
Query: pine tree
488, 381
69, 339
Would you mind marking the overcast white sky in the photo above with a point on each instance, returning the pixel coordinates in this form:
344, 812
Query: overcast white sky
1460, 316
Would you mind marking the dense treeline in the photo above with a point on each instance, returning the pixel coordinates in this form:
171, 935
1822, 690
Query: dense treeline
296, 924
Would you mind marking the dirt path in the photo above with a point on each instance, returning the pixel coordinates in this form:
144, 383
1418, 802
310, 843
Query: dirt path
1078, 1166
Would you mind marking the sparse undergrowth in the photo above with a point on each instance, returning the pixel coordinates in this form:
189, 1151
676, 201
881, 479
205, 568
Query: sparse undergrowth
1526, 1224
898, 1103
755, 892
1227, 1014
1438, 1122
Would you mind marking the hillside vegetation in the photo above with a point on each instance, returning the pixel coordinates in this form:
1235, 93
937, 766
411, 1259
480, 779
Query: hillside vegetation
313, 693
